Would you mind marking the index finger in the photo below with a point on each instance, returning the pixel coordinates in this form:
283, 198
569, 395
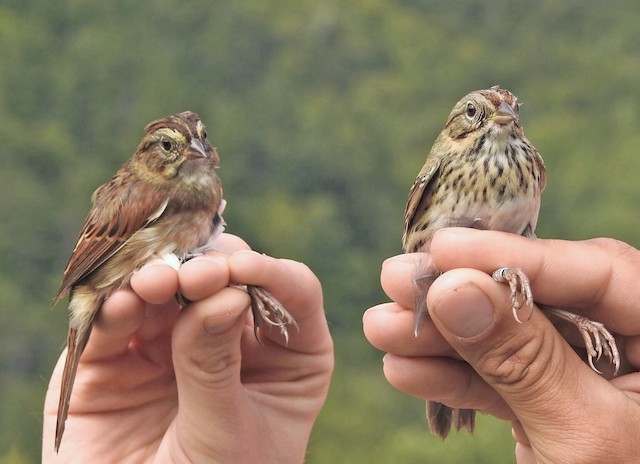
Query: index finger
597, 276
295, 286
127, 312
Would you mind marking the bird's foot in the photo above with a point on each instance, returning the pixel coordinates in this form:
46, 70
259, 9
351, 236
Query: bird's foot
521, 295
266, 309
597, 339
269, 311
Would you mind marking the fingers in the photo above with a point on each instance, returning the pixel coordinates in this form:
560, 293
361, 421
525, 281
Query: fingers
295, 286
596, 276
207, 359
125, 312
290, 281
150, 308
398, 276
203, 276
206, 352
520, 372
156, 282
471, 311
529, 365
120, 316
217, 359
526, 373
390, 327
229, 243
426, 366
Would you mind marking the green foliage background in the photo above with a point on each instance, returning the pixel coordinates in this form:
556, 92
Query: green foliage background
322, 113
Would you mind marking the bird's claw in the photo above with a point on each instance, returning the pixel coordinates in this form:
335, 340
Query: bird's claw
521, 294
597, 339
264, 306
267, 309
182, 300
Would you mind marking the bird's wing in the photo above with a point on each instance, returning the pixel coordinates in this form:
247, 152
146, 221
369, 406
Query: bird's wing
417, 195
118, 211
543, 172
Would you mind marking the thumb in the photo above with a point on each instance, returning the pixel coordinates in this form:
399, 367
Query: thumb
206, 352
550, 390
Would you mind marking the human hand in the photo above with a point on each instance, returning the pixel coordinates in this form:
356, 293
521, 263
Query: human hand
473, 354
159, 384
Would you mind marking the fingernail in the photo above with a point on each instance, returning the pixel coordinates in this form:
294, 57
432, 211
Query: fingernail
152, 263
409, 258
453, 233
220, 323
225, 310
465, 310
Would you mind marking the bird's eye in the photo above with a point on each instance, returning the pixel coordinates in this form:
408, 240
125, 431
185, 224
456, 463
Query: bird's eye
471, 110
166, 145
204, 134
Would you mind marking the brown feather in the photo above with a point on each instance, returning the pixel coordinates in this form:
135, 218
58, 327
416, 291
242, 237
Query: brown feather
481, 172
418, 200
165, 199
109, 224
76, 342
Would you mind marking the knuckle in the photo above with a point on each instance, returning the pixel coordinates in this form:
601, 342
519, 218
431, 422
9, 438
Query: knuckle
611, 245
215, 368
520, 363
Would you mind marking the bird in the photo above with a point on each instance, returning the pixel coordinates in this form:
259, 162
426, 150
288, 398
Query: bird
165, 202
482, 172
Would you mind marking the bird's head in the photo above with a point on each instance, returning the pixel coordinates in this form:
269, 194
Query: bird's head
483, 111
176, 146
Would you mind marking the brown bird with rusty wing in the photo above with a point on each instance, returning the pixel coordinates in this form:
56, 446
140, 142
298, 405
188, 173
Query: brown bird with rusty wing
165, 202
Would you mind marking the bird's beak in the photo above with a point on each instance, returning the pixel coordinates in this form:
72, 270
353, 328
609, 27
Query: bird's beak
197, 146
504, 114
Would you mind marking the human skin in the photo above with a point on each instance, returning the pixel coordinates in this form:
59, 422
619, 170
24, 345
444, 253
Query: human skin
471, 353
159, 384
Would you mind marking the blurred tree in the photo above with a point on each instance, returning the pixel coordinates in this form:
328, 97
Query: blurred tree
322, 114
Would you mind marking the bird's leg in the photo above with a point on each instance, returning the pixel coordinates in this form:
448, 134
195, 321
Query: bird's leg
267, 309
520, 287
597, 339
200, 251
174, 262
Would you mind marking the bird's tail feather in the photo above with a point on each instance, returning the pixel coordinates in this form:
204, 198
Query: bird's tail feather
76, 342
